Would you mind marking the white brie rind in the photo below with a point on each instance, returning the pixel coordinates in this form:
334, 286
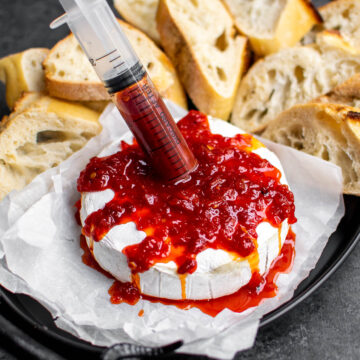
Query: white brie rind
218, 272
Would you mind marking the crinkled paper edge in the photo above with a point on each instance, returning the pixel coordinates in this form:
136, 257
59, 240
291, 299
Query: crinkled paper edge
239, 336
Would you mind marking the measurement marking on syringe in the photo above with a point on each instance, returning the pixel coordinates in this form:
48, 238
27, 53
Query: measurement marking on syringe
104, 56
151, 121
121, 64
155, 126
170, 157
142, 117
144, 108
162, 138
160, 147
170, 149
118, 57
137, 95
142, 101
175, 162
180, 167
158, 132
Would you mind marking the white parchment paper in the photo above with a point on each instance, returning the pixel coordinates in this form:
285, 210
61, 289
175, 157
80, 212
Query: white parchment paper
40, 256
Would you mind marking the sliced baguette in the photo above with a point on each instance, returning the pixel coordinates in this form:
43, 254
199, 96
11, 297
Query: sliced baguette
23, 72
344, 17
200, 39
141, 14
329, 39
40, 134
347, 93
70, 76
292, 76
273, 25
328, 131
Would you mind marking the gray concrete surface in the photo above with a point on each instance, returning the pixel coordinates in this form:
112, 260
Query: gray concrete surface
325, 326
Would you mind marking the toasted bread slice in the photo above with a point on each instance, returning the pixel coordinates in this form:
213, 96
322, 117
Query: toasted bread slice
201, 40
329, 39
328, 131
70, 76
291, 76
141, 14
23, 72
343, 16
273, 25
40, 134
347, 93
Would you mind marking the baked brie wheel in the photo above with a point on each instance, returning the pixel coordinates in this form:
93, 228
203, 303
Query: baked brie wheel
218, 271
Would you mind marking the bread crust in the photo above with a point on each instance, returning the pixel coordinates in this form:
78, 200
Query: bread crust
145, 23
314, 11
95, 91
292, 76
343, 16
40, 134
333, 4
295, 20
76, 91
70, 90
16, 76
347, 93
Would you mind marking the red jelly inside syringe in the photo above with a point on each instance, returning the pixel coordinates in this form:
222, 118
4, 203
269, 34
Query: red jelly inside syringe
148, 118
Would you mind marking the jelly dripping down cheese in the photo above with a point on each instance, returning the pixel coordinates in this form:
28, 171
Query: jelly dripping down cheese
239, 191
219, 206
257, 290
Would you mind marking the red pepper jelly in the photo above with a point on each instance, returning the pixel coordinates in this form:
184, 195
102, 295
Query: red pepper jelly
219, 206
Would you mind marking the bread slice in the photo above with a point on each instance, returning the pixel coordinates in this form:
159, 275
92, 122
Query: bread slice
291, 76
141, 14
328, 131
70, 76
344, 17
40, 134
347, 93
23, 72
200, 38
273, 25
329, 39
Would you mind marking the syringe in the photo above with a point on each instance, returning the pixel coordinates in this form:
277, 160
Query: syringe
109, 51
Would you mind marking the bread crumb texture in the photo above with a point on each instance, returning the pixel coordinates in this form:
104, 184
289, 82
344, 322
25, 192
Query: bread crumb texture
291, 76
23, 72
328, 131
201, 40
273, 24
344, 17
140, 13
39, 135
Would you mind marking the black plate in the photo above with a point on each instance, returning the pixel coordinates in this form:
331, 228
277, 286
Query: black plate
339, 246
30, 316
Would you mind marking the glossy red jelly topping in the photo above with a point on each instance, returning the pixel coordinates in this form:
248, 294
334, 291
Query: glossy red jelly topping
218, 206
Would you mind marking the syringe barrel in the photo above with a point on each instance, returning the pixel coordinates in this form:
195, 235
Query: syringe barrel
101, 37
99, 34
154, 128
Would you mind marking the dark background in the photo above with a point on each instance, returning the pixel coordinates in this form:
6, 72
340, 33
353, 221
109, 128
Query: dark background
325, 326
